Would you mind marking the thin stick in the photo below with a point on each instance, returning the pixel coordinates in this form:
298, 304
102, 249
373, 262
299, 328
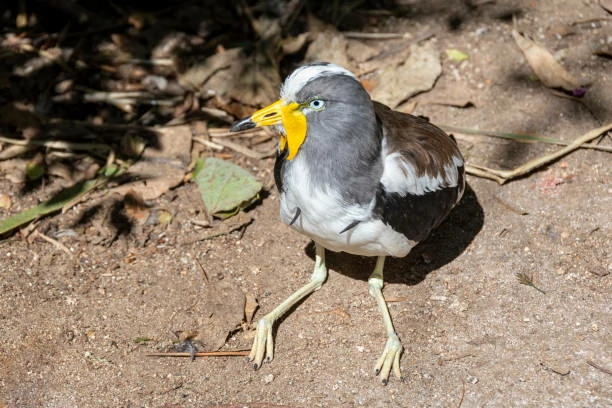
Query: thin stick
52, 241
523, 138
597, 366
208, 143
462, 394
201, 268
245, 150
224, 132
58, 144
202, 354
376, 36
502, 176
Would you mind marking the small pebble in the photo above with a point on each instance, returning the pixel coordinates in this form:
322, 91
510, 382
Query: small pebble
269, 378
472, 379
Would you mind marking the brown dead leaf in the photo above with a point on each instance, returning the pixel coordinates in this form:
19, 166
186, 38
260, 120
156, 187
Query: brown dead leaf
392, 57
341, 313
544, 65
185, 335
198, 76
250, 306
5, 201
135, 207
231, 76
222, 310
14, 170
328, 44
225, 227
417, 74
162, 165
292, 45
359, 52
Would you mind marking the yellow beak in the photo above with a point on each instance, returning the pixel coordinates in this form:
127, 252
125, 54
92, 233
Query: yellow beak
289, 115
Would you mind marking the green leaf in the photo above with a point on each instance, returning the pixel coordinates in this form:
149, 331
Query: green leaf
34, 171
54, 204
456, 55
225, 187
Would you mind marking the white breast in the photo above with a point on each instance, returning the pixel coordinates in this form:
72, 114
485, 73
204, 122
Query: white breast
324, 215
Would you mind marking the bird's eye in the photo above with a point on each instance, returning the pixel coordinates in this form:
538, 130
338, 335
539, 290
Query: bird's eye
317, 104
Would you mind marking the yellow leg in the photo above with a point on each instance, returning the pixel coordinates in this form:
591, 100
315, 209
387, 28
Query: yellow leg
263, 345
393, 348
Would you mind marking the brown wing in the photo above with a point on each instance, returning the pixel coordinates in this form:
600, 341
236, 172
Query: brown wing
423, 177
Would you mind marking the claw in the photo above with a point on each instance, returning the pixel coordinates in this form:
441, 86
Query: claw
390, 359
263, 344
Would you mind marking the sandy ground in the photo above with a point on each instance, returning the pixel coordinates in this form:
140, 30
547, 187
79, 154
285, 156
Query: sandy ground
473, 335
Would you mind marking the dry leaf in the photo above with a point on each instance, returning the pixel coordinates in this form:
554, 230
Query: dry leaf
456, 55
358, 51
544, 65
223, 310
135, 207
227, 226
230, 75
162, 165
250, 306
292, 45
418, 74
328, 44
5, 201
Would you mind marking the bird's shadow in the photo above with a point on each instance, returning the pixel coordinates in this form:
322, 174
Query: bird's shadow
445, 244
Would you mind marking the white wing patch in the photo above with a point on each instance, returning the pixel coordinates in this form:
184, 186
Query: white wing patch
301, 76
400, 176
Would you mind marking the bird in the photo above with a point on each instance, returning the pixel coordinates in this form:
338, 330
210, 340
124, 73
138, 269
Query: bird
354, 176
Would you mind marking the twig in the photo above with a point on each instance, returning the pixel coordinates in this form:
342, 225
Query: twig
510, 207
599, 367
208, 143
202, 354
55, 243
462, 394
376, 36
129, 98
591, 20
522, 138
201, 268
245, 150
58, 144
525, 279
224, 132
502, 176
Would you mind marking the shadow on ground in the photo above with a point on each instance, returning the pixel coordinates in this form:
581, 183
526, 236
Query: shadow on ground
445, 244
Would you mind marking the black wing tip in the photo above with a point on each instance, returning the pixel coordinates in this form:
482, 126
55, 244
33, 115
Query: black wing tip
350, 226
298, 211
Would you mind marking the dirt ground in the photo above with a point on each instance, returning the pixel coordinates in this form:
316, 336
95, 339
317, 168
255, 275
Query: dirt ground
76, 330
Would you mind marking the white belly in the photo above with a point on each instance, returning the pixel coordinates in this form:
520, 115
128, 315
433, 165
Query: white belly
324, 215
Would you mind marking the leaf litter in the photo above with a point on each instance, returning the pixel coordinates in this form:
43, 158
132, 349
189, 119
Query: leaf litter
158, 170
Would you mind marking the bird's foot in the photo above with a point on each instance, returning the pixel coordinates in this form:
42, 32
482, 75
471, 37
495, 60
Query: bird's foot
390, 359
263, 345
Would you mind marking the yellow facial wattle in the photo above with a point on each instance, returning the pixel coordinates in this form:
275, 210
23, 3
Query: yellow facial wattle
293, 120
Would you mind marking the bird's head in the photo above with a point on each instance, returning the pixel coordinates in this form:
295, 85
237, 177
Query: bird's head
318, 100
